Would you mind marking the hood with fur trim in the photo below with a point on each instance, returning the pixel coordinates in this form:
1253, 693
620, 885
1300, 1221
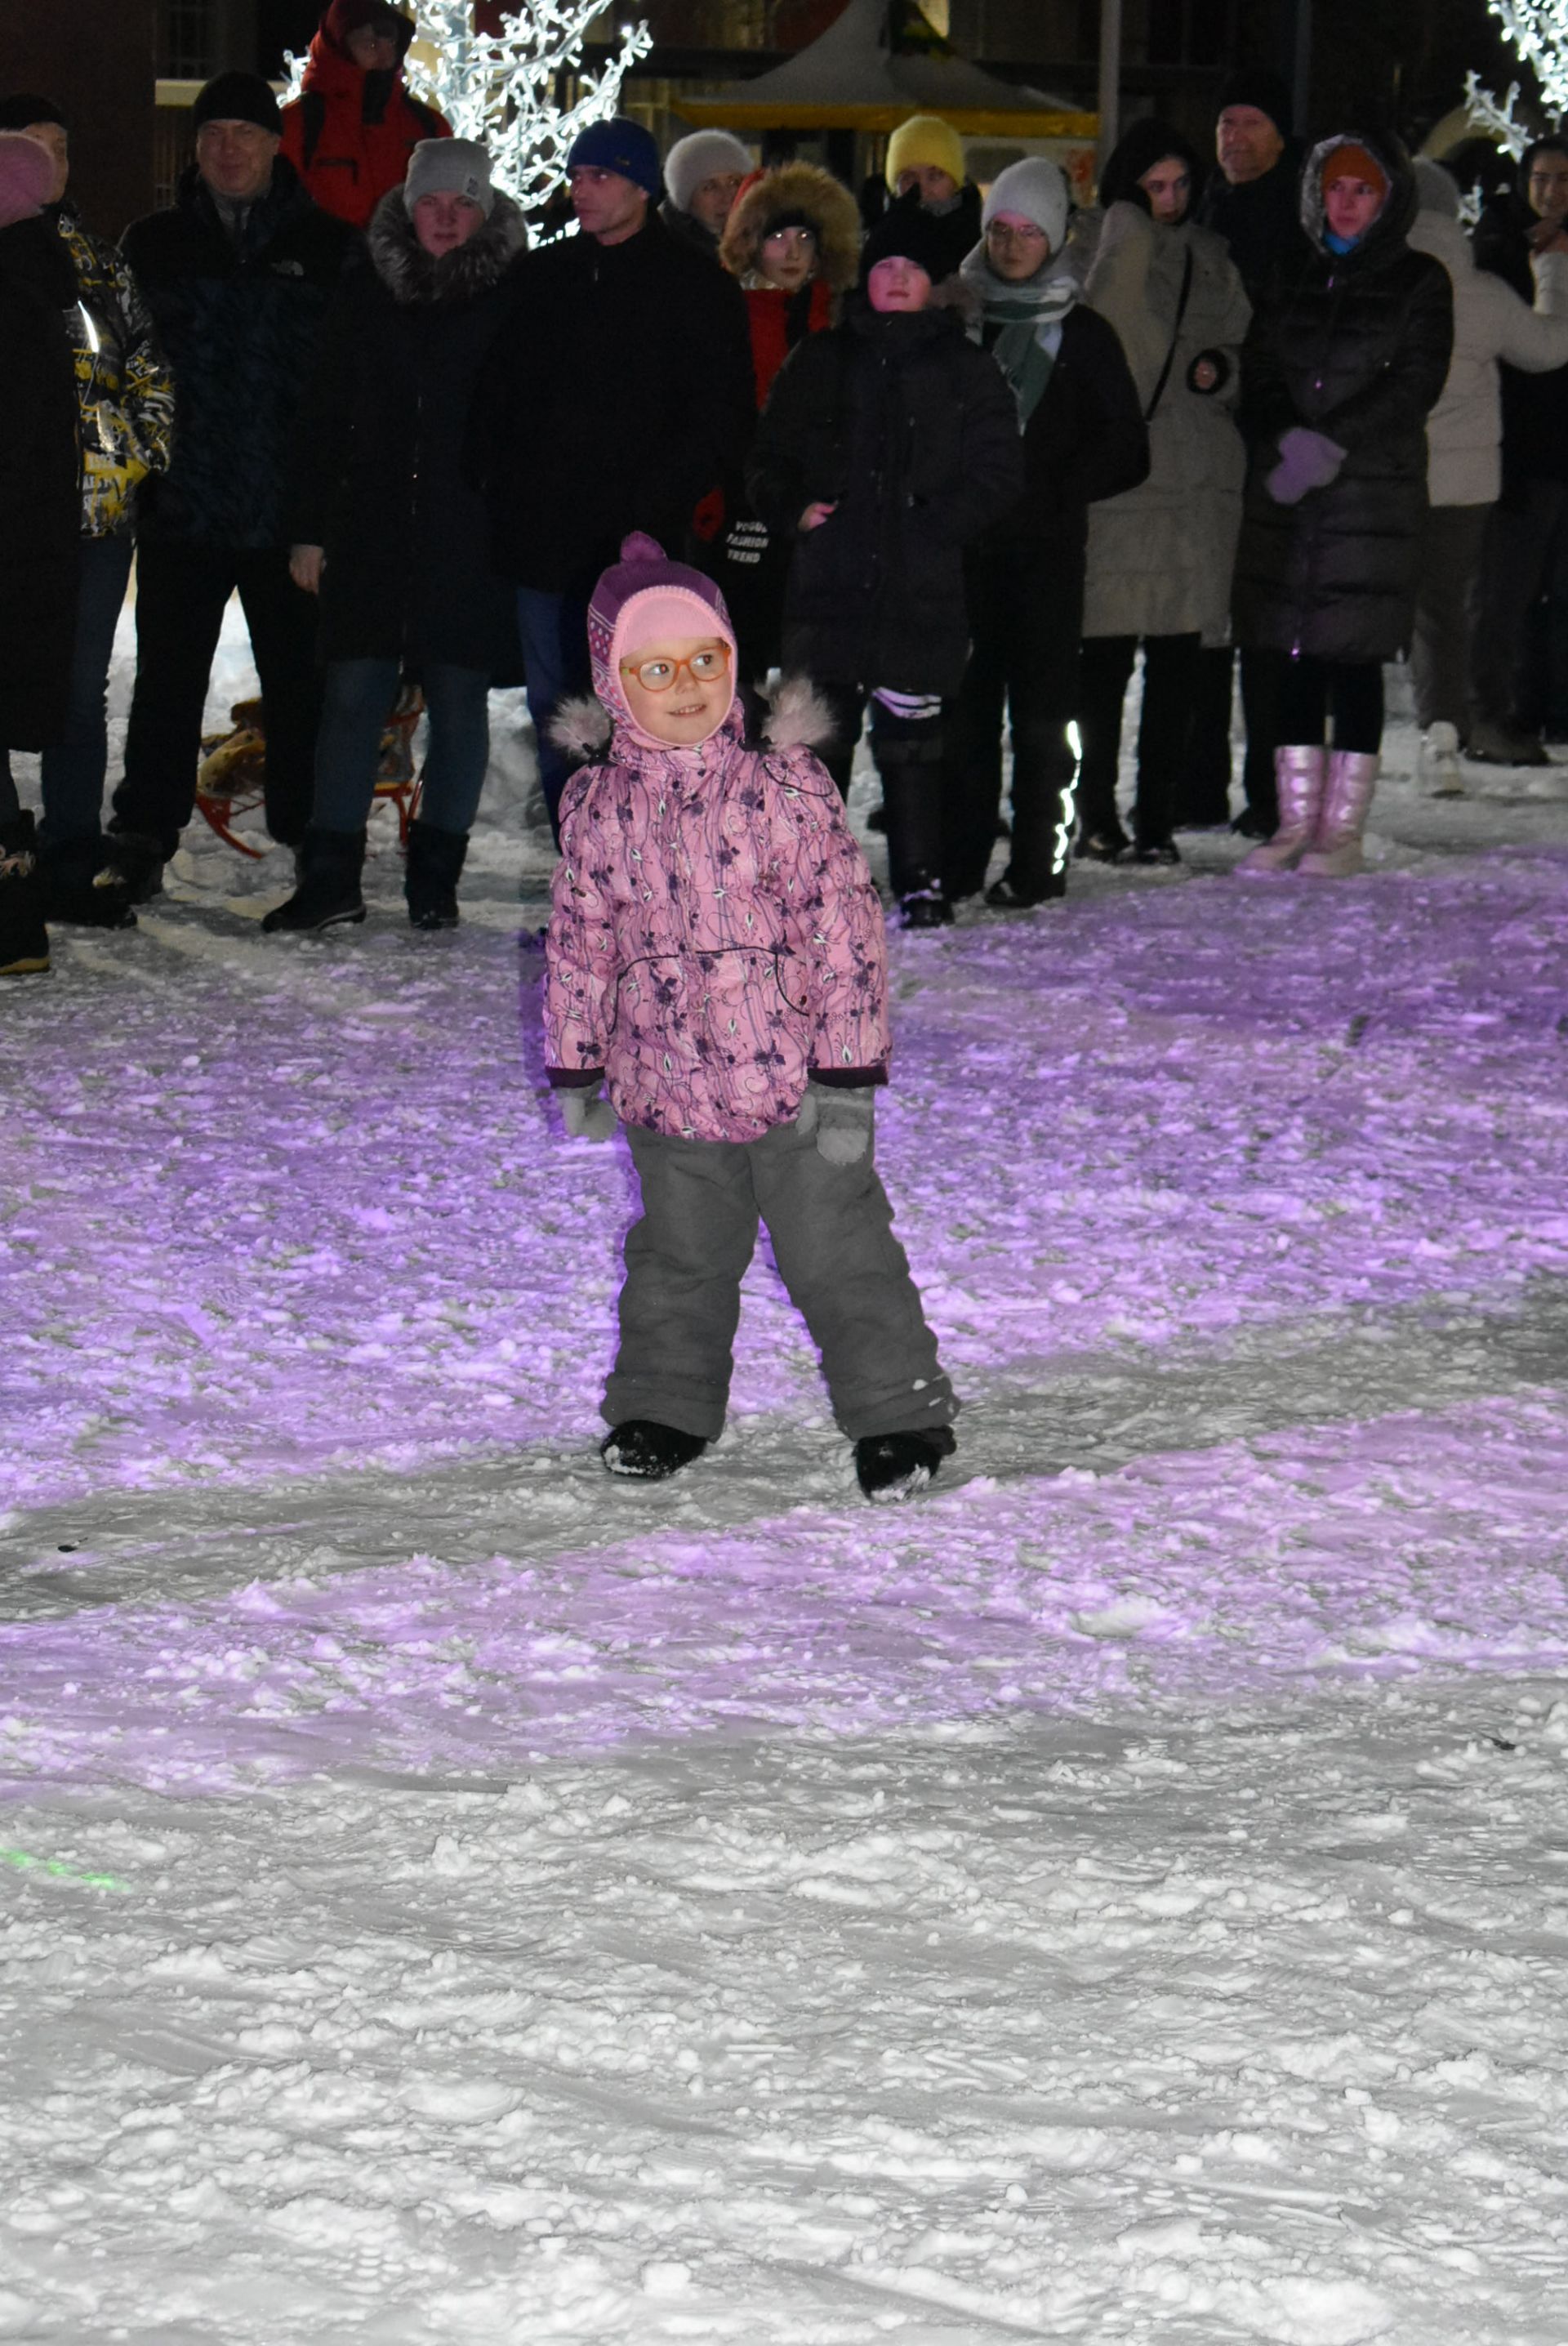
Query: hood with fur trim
412, 277
793, 191
1392, 225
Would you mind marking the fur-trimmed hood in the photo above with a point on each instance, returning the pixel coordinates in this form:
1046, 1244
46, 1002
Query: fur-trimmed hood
793, 191
410, 274
794, 716
1389, 232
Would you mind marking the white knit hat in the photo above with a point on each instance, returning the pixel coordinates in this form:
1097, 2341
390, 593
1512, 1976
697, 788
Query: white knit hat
1037, 189
704, 155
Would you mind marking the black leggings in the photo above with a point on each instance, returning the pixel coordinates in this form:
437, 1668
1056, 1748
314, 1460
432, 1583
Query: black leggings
1313, 690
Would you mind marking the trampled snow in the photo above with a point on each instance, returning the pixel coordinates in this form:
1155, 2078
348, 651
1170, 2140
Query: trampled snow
445, 1895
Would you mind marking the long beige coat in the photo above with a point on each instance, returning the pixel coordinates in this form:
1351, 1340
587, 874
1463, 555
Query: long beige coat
1161, 555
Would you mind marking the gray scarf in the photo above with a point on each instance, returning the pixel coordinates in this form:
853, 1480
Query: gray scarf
1029, 317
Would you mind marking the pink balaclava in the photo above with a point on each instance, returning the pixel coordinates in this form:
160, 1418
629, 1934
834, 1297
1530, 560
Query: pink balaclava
27, 178
645, 599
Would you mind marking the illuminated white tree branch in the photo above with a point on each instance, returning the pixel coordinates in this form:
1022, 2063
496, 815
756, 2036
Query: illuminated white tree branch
1537, 32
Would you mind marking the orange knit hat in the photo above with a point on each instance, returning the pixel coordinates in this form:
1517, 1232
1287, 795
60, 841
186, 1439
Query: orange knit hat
1351, 161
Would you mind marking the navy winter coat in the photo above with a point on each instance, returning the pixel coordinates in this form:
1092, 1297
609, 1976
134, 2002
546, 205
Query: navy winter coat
1357, 347
240, 324
618, 392
377, 475
911, 432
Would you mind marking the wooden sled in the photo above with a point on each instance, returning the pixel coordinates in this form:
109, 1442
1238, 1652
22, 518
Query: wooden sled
229, 779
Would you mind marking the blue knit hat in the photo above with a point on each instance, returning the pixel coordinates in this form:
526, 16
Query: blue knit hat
620, 145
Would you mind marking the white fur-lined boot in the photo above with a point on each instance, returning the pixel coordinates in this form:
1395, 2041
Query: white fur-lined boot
1301, 772
1336, 849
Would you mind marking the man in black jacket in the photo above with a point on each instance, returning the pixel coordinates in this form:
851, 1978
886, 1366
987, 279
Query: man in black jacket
239, 275
618, 392
1254, 201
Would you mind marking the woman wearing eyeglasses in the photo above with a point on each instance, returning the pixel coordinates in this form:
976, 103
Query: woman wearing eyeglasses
793, 240
1161, 555
1084, 439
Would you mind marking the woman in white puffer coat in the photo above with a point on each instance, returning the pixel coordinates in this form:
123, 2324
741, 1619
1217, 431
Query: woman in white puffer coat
1464, 464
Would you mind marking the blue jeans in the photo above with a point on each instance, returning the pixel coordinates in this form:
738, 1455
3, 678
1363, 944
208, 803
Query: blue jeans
358, 695
554, 629
72, 770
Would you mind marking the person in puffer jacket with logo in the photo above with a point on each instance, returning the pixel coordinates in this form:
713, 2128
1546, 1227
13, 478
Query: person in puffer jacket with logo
715, 954
125, 402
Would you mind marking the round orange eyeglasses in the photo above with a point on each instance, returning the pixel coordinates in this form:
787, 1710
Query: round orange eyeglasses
658, 674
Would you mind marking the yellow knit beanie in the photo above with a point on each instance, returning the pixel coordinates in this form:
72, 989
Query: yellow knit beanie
925, 139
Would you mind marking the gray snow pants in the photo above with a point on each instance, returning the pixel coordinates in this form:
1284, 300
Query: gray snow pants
832, 1228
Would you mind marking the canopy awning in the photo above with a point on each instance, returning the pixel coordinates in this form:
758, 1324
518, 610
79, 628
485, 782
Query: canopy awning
851, 78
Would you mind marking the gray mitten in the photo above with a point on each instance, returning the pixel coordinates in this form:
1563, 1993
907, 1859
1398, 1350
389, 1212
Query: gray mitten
1308, 460
842, 1120
586, 1114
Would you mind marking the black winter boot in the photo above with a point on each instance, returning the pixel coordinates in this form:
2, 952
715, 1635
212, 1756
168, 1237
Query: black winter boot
893, 1466
139, 861
24, 939
643, 1448
911, 761
327, 869
84, 886
434, 867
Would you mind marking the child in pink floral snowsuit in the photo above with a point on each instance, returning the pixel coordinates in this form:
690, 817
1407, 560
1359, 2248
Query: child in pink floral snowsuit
715, 954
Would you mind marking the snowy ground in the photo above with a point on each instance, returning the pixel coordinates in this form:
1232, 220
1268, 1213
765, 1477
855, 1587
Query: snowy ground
447, 1897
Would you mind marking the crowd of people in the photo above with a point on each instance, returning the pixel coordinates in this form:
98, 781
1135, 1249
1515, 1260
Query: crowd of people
723, 477
958, 466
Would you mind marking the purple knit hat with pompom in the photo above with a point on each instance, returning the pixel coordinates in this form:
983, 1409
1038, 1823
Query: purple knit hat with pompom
646, 591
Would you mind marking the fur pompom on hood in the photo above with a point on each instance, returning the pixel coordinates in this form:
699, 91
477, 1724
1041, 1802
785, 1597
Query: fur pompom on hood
791, 192
794, 716
413, 277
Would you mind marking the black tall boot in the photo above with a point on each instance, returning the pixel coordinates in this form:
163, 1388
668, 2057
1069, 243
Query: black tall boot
434, 867
328, 866
24, 939
910, 764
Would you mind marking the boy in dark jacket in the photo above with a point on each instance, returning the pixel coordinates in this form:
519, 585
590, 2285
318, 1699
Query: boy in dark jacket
353, 130
886, 445
1083, 438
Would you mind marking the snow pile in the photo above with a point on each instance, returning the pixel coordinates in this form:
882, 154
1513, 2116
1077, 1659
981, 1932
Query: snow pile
446, 1895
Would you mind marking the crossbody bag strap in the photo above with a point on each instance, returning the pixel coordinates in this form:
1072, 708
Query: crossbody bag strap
1175, 337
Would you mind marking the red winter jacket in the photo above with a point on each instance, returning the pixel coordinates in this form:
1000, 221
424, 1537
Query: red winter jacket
348, 163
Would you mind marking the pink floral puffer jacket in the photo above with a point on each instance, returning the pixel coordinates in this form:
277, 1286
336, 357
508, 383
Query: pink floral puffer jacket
715, 936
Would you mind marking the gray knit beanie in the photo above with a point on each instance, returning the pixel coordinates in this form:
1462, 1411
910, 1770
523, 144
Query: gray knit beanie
1037, 189
703, 155
449, 167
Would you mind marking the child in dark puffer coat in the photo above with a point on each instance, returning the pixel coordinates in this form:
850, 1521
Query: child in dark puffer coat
716, 954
